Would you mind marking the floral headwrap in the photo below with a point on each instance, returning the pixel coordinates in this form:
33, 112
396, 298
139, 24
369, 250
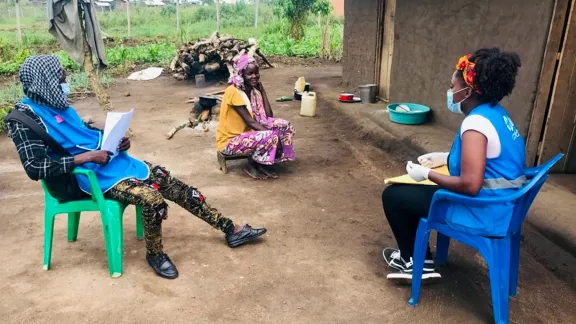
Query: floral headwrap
240, 64
468, 72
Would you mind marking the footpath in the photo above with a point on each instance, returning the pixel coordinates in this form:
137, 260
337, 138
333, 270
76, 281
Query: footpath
549, 232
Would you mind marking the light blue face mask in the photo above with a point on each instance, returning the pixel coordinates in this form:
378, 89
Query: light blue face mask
65, 88
452, 106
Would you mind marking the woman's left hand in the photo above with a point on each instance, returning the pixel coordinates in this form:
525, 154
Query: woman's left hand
124, 144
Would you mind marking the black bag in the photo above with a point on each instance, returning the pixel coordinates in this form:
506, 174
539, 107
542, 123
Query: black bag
64, 187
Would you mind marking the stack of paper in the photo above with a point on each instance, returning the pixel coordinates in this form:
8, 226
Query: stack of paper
116, 126
405, 179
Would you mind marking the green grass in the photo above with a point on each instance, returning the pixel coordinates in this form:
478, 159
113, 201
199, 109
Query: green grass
8, 96
155, 30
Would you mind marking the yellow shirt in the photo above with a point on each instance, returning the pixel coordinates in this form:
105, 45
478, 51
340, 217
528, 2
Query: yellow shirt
231, 123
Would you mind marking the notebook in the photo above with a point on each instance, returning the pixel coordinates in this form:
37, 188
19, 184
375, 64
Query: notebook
405, 179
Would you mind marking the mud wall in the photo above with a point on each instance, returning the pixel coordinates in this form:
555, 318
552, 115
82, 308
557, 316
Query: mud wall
360, 42
430, 36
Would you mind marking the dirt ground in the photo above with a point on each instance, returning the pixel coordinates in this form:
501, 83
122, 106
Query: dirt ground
320, 262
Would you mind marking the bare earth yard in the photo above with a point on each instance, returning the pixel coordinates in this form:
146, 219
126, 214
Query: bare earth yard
320, 262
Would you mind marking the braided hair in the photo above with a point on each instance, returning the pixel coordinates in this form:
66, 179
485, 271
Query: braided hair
495, 74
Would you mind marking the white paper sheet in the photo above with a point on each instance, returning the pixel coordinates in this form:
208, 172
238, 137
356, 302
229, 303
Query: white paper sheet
116, 126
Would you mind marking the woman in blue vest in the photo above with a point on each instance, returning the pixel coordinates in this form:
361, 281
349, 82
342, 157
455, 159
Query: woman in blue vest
487, 159
121, 177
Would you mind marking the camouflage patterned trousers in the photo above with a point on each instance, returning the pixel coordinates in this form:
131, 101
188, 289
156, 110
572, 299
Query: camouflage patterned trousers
151, 193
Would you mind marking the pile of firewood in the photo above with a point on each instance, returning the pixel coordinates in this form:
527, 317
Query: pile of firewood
213, 55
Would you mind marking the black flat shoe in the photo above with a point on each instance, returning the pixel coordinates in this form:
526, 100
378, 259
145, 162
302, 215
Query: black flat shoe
163, 266
246, 234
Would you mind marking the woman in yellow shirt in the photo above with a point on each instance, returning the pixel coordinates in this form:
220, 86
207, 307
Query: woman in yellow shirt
247, 126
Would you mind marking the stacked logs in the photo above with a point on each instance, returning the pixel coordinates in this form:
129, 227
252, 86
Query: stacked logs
212, 56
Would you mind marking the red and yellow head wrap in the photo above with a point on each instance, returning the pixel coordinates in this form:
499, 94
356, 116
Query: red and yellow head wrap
468, 73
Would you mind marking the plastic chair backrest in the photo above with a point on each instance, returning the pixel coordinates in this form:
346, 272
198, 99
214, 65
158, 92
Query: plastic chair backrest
524, 197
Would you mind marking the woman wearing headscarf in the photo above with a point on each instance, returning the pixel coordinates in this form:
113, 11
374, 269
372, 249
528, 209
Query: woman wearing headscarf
247, 126
487, 159
121, 177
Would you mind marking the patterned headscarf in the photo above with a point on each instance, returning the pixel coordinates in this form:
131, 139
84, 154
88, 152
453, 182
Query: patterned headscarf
40, 77
468, 72
240, 65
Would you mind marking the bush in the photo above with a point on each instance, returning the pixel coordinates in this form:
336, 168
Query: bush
3, 113
276, 40
167, 11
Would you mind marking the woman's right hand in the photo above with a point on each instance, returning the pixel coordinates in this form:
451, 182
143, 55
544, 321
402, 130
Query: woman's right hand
433, 160
98, 157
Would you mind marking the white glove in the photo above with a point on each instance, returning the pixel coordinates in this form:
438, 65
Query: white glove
417, 172
433, 160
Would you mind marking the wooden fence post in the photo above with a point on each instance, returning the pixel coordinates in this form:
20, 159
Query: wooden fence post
18, 27
178, 16
256, 3
128, 18
217, 15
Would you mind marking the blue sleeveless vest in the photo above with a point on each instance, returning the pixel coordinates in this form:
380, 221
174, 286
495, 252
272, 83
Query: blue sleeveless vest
503, 175
68, 129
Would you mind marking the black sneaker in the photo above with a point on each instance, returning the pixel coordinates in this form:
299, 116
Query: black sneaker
404, 273
246, 234
394, 260
162, 264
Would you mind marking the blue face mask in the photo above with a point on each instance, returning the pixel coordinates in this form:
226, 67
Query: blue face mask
65, 89
452, 106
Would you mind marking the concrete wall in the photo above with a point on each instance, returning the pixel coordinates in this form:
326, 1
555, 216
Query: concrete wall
360, 42
338, 7
430, 36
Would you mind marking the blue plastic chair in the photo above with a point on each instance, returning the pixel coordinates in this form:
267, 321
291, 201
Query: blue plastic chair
502, 254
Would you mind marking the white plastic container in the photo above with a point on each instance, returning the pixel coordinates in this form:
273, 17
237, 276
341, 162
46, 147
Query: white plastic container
308, 105
300, 84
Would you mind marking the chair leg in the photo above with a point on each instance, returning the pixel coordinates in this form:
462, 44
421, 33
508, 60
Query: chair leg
514, 263
48, 235
139, 227
499, 270
442, 245
420, 245
222, 162
73, 222
112, 226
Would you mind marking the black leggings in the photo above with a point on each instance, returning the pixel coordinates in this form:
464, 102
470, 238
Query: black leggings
404, 205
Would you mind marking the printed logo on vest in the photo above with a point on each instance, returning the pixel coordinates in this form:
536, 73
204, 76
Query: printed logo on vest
59, 119
510, 125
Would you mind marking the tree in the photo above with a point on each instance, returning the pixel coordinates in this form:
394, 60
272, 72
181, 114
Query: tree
296, 12
322, 9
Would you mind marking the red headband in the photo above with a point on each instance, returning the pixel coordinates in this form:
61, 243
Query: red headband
468, 73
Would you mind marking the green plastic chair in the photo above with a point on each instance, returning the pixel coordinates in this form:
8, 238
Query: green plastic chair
110, 210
